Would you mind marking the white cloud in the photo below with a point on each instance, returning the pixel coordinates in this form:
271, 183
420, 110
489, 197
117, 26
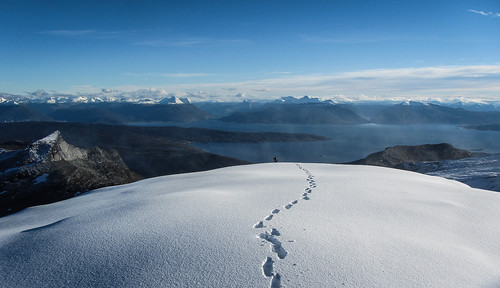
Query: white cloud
87, 34
346, 39
191, 42
399, 84
185, 75
490, 14
68, 33
170, 75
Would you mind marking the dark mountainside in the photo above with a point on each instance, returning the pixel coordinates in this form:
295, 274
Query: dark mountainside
491, 127
148, 151
50, 170
298, 114
108, 113
400, 156
278, 112
16, 113
419, 113
223, 109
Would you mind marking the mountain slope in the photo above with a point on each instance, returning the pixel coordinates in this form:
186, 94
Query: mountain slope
310, 113
420, 113
356, 226
50, 170
17, 113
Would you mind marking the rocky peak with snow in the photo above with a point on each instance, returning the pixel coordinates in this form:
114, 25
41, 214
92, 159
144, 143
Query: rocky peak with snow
175, 100
292, 100
50, 170
139, 97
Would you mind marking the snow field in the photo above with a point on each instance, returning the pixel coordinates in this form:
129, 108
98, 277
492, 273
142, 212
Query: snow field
361, 227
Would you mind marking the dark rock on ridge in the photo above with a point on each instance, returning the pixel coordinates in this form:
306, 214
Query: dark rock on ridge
50, 170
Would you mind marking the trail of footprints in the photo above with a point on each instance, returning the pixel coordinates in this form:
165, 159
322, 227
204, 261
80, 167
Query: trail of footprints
271, 236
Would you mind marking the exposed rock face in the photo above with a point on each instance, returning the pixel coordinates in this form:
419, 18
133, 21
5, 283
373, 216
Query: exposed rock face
401, 156
50, 170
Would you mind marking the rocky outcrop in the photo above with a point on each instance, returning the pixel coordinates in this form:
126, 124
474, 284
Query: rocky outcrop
50, 170
401, 156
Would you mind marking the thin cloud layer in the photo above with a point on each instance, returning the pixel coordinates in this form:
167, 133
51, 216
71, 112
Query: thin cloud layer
473, 83
425, 83
490, 14
88, 34
191, 42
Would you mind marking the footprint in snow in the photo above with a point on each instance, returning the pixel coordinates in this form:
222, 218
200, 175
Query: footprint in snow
269, 217
288, 206
295, 201
276, 211
306, 198
304, 194
276, 281
259, 225
267, 267
276, 245
275, 232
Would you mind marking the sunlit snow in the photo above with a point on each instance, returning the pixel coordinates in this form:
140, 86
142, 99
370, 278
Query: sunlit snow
251, 226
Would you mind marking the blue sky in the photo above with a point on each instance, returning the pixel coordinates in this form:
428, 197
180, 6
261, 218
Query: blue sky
230, 50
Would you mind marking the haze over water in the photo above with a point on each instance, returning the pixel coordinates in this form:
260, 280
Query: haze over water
347, 142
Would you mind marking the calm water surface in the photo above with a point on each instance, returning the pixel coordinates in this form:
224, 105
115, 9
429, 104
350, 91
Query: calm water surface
347, 142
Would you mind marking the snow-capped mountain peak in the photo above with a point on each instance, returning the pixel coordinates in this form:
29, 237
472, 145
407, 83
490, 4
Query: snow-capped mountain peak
292, 100
40, 149
175, 100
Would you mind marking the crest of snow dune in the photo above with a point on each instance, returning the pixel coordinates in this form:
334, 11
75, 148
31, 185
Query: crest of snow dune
339, 225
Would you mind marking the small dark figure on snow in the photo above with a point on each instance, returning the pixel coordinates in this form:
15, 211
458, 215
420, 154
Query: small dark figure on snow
275, 158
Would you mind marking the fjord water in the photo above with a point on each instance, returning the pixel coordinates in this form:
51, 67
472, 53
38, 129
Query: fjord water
347, 142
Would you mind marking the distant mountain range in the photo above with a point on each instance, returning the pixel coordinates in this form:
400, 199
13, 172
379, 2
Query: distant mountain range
309, 113
42, 97
420, 113
110, 113
286, 110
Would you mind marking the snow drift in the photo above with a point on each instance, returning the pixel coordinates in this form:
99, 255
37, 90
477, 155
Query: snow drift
265, 225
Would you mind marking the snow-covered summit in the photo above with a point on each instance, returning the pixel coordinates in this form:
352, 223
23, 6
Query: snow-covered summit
175, 100
304, 100
40, 149
265, 225
151, 96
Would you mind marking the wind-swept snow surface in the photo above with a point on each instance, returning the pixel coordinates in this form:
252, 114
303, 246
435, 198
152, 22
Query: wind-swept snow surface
320, 226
